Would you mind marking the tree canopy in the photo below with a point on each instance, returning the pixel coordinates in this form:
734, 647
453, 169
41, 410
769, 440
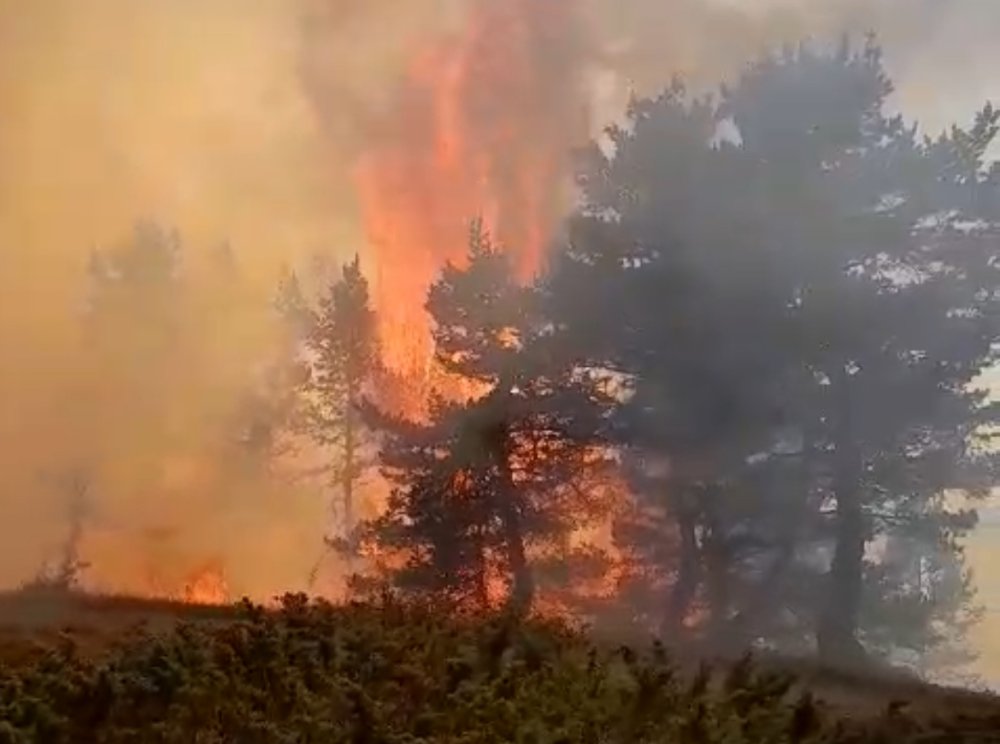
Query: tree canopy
795, 296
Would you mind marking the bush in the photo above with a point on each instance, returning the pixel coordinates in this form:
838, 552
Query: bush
393, 673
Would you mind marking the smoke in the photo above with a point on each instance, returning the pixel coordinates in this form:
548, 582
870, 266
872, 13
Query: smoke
188, 113
246, 122
480, 122
939, 52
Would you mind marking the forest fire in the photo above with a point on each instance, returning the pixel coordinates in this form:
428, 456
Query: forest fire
496, 331
483, 127
480, 129
207, 586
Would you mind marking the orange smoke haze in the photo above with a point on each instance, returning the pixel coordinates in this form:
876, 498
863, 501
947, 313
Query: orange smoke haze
187, 112
287, 127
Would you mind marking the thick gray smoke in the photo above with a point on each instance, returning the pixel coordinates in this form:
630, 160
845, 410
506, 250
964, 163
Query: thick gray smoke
941, 52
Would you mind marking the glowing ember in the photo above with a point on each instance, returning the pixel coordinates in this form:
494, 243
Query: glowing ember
481, 128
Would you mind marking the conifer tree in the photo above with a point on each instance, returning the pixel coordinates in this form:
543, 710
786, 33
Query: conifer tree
486, 484
894, 291
803, 306
342, 346
272, 410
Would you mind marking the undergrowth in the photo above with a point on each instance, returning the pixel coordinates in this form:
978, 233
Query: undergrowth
388, 673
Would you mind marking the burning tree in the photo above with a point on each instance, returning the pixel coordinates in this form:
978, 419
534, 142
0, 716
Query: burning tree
648, 288
486, 485
482, 122
165, 415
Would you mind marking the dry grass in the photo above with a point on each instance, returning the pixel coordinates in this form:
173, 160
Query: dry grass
35, 619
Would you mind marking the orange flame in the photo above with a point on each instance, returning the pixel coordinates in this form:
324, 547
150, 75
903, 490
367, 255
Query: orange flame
482, 127
207, 585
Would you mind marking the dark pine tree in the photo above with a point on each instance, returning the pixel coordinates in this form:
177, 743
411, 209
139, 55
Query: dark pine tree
489, 483
668, 281
804, 296
891, 252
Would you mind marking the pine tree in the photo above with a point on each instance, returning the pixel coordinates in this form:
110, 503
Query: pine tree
134, 309
487, 484
342, 345
651, 286
894, 301
822, 277
273, 407
437, 528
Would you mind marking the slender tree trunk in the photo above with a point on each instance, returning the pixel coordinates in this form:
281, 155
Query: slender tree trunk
523, 590
837, 631
497, 441
837, 636
482, 590
765, 602
683, 591
348, 475
717, 568
71, 565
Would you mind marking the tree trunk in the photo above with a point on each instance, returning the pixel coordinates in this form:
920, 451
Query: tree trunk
838, 626
348, 475
523, 588
765, 602
717, 567
837, 636
683, 591
498, 445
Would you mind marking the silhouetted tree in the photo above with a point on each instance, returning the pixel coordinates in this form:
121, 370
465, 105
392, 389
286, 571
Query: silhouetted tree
273, 407
134, 309
66, 573
894, 296
342, 345
488, 483
654, 286
793, 272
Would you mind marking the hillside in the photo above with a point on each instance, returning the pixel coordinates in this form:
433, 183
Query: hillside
78, 669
